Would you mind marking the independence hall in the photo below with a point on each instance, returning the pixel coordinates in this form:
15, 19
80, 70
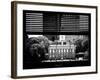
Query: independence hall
68, 34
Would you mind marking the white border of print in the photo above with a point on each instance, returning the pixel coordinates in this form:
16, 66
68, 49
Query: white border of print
49, 71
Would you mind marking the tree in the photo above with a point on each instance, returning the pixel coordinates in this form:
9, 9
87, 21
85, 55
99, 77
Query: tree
28, 59
30, 41
44, 42
78, 46
82, 45
37, 47
85, 44
37, 52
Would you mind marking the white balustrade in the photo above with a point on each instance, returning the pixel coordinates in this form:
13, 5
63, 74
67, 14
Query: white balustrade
61, 52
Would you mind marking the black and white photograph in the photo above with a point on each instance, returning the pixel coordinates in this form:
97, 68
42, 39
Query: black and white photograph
53, 39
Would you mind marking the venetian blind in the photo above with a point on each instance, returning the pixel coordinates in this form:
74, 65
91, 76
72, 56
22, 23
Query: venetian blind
34, 22
55, 22
50, 22
74, 23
